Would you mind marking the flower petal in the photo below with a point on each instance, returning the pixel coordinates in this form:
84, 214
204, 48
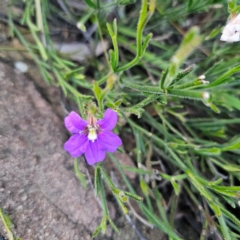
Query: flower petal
76, 145
109, 141
109, 120
74, 123
224, 37
237, 27
230, 28
94, 153
235, 37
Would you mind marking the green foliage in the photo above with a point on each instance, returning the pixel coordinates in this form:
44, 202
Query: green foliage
80, 176
90, 3
233, 8
190, 42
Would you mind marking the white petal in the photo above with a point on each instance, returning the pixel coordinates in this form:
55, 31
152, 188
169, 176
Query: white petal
234, 37
230, 28
237, 27
237, 18
226, 32
224, 38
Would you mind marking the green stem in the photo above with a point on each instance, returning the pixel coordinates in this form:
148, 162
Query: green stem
188, 85
164, 120
97, 176
173, 210
84, 19
129, 65
103, 198
129, 186
81, 108
146, 101
103, 79
101, 38
224, 228
140, 27
39, 16
186, 94
161, 209
79, 175
177, 161
107, 178
149, 204
115, 44
6, 225
204, 230
198, 95
100, 104
141, 24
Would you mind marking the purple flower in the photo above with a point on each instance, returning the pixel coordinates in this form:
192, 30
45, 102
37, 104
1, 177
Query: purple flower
92, 137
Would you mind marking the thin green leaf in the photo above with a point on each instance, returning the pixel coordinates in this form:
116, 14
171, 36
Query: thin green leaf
90, 3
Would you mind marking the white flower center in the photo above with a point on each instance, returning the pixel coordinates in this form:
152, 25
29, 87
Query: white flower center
92, 133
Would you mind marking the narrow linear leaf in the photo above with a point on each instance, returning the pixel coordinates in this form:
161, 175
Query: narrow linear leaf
144, 187
224, 228
91, 4
198, 185
229, 168
191, 41
224, 77
209, 151
97, 176
133, 196
175, 187
79, 175
113, 225
233, 144
230, 216
97, 91
183, 74
126, 2
146, 42
189, 94
230, 100
227, 188
171, 92
146, 88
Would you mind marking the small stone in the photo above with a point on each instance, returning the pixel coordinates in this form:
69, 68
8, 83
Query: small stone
24, 197
21, 66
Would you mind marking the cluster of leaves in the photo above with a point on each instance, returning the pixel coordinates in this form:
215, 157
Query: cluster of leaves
187, 122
